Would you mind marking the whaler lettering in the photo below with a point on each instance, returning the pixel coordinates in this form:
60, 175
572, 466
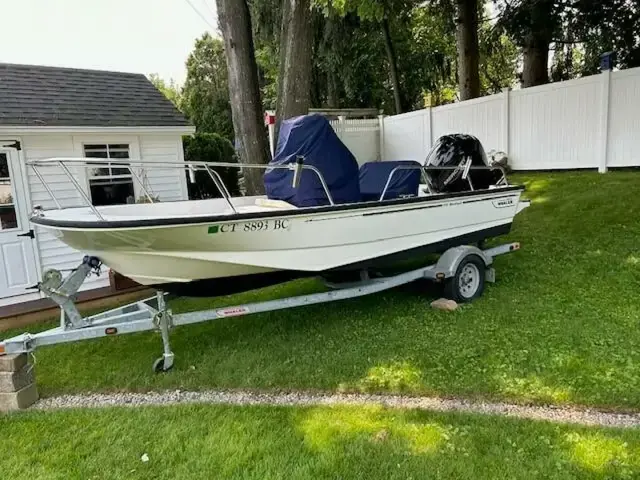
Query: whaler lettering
503, 203
232, 312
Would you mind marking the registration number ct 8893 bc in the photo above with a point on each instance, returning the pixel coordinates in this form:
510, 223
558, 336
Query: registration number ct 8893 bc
256, 226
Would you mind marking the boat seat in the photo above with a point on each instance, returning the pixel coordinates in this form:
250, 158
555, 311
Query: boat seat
374, 175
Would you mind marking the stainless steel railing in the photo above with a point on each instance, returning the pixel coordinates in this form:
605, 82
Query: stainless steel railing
64, 162
297, 168
465, 167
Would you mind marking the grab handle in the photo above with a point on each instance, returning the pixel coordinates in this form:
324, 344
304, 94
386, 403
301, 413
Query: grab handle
297, 172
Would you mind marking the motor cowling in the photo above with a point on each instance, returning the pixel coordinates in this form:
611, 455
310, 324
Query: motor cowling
453, 151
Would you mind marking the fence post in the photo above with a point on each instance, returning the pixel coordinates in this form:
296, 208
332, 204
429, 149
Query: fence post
341, 119
604, 120
428, 132
506, 125
381, 155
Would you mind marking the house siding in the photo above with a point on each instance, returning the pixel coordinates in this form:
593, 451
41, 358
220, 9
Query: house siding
53, 253
167, 184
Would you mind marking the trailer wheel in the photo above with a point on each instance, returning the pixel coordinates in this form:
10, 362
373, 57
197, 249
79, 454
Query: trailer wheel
467, 283
161, 365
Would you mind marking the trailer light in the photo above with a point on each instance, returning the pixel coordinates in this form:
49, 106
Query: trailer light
1, 348
111, 330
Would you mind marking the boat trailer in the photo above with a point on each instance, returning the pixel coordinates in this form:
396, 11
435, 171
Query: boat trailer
463, 270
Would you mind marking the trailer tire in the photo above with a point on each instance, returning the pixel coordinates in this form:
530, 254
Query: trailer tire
160, 366
468, 282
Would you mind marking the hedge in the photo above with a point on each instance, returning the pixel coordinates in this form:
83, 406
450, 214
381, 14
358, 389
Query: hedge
210, 147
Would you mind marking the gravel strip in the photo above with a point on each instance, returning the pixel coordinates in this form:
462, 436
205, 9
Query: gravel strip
553, 414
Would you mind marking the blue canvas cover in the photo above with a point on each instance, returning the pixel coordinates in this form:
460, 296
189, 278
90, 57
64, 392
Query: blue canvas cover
312, 137
374, 175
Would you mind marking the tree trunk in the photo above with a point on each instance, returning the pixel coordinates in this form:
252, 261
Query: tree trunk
244, 91
393, 65
468, 50
332, 91
294, 77
331, 40
568, 59
535, 53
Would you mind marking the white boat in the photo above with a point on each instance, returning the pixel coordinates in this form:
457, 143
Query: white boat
336, 218
184, 242
219, 246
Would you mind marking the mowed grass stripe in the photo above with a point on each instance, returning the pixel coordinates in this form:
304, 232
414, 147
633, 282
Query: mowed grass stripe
316, 442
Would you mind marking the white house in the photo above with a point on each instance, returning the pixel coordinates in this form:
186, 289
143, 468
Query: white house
59, 112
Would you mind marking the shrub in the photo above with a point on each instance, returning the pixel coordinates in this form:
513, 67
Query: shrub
210, 147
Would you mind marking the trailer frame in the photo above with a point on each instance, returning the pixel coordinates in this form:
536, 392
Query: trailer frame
153, 313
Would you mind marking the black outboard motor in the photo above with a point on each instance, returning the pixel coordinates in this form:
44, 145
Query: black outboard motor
453, 151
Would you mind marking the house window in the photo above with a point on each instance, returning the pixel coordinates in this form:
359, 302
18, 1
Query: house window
110, 184
8, 218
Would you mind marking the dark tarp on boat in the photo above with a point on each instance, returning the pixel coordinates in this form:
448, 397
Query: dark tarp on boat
404, 182
313, 138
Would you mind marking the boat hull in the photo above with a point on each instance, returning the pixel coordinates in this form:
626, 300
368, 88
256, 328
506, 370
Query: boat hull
212, 287
304, 241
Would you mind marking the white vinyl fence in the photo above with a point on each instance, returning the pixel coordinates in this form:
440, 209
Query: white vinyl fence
361, 136
591, 122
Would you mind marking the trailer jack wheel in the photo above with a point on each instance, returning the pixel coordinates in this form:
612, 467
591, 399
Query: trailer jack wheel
163, 321
468, 282
163, 364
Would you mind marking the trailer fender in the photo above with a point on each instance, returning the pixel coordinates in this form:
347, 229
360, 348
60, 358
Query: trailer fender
450, 260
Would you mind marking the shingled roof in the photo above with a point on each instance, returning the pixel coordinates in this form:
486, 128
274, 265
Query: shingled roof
51, 96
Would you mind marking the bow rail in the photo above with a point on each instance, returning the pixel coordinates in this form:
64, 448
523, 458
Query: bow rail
65, 162
298, 167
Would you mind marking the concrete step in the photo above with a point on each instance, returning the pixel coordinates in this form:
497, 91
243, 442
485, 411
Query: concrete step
14, 381
19, 400
12, 363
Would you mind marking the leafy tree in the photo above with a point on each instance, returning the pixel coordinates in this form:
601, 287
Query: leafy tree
294, 77
533, 25
468, 48
170, 90
267, 60
210, 147
383, 14
577, 31
499, 57
603, 26
244, 90
266, 22
349, 62
205, 97
349, 54
430, 65
567, 62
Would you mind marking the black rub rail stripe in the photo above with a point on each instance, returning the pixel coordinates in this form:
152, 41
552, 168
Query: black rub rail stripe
163, 222
333, 218
486, 199
402, 210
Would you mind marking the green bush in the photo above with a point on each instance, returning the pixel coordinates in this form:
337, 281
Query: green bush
210, 147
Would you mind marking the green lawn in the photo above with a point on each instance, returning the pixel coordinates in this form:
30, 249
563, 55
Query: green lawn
560, 325
327, 442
